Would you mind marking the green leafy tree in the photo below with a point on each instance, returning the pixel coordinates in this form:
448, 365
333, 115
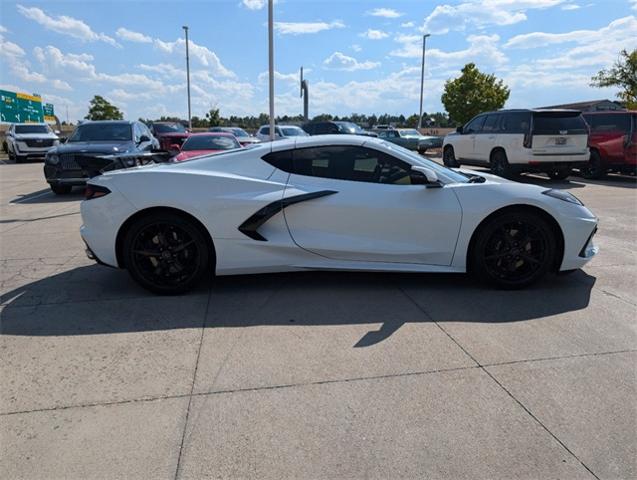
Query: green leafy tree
622, 74
101, 109
214, 119
473, 92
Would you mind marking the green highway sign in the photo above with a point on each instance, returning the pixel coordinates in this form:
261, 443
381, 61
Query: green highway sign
21, 107
48, 111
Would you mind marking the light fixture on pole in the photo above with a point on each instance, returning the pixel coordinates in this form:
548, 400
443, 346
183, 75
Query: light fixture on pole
188, 77
271, 63
422, 76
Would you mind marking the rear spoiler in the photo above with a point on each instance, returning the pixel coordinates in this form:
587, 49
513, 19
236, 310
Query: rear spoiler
94, 166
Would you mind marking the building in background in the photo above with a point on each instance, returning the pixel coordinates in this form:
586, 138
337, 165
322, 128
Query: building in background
591, 106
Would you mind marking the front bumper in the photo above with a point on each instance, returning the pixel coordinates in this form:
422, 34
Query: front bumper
579, 245
57, 176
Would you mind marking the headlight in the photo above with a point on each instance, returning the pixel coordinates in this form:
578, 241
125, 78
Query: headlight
562, 195
52, 159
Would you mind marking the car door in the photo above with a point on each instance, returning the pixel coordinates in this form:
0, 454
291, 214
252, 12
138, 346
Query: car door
362, 206
463, 144
485, 139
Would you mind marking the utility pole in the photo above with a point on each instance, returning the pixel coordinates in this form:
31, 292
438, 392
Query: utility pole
422, 77
305, 93
188, 77
271, 63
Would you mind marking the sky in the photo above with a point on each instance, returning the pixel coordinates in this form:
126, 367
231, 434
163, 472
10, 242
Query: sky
358, 56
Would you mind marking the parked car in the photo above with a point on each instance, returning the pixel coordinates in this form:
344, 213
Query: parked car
93, 139
280, 131
206, 143
240, 134
26, 141
335, 127
613, 143
410, 138
169, 134
331, 202
515, 141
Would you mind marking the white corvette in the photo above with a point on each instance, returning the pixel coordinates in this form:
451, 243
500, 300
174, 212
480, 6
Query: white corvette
341, 202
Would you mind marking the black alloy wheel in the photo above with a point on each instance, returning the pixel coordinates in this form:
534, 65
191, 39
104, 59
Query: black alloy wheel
449, 157
514, 250
595, 169
500, 165
166, 253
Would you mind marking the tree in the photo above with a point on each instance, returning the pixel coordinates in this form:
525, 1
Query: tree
473, 92
101, 109
622, 74
214, 119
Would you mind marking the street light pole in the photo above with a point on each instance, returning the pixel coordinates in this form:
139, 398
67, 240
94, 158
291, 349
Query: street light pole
422, 77
188, 77
271, 63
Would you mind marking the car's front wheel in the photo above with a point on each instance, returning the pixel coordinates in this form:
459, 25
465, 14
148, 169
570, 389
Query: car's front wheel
449, 157
500, 164
513, 250
595, 168
559, 173
166, 253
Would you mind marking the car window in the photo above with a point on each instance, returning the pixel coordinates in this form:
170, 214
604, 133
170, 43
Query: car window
169, 128
31, 129
264, 131
351, 163
558, 123
475, 125
515, 122
382, 133
281, 160
137, 133
210, 142
491, 124
609, 123
292, 132
100, 132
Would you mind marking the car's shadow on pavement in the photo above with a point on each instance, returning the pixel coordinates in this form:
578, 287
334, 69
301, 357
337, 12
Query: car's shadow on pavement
91, 300
47, 196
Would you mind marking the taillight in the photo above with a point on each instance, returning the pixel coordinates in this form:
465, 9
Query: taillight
95, 191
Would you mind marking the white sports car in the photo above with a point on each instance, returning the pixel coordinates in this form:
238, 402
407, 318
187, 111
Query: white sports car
336, 202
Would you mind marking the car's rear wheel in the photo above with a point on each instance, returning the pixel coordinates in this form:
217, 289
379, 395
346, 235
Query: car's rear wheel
595, 168
449, 157
166, 253
500, 164
559, 173
61, 189
513, 250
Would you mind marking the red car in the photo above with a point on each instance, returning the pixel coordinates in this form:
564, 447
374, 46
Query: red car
612, 141
169, 134
204, 143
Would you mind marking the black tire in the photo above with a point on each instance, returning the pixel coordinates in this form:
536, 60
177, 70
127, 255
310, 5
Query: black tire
449, 157
559, 173
500, 164
5, 147
166, 253
595, 168
513, 250
61, 189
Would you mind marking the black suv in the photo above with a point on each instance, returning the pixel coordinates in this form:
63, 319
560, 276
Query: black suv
89, 140
335, 127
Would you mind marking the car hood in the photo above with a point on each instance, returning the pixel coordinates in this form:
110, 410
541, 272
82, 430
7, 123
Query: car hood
489, 176
93, 147
27, 136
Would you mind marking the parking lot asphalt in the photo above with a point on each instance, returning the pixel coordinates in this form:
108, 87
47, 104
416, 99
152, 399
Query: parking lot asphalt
312, 375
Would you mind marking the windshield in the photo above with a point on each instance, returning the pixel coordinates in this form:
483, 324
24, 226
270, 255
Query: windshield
293, 132
210, 142
558, 124
169, 128
410, 132
102, 132
349, 127
420, 160
239, 132
31, 129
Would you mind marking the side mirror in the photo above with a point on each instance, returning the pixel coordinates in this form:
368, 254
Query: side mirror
144, 138
428, 176
175, 147
459, 130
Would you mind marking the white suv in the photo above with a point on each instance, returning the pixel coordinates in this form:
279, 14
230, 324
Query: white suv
280, 131
516, 141
29, 140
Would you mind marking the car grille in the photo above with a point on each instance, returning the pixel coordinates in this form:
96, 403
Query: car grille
39, 143
68, 162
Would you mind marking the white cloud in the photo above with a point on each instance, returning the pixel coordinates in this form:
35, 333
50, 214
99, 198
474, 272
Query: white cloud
340, 61
622, 28
634, 2
254, 4
356, 47
385, 12
571, 6
3, 29
408, 24
202, 54
299, 28
131, 36
290, 78
65, 25
372, 34
481, 13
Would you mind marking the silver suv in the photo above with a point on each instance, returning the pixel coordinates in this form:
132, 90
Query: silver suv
27, 141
